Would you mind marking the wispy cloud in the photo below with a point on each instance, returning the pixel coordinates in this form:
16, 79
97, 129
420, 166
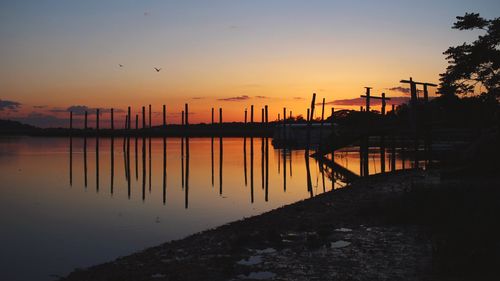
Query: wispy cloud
9, 105
198, 98
261, 97
80, 110
298, 98
42, 120
39, 106
403, 90
362, 101
237, 98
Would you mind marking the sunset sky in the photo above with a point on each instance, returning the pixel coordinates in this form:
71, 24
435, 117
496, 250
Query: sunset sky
230, 54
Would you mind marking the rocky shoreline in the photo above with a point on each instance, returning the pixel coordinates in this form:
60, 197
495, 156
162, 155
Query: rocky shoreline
343, 235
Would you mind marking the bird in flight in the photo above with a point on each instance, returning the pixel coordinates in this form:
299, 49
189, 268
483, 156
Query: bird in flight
120, 65
157, 69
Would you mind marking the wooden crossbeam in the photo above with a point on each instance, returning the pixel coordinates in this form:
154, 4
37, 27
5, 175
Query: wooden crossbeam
413, 88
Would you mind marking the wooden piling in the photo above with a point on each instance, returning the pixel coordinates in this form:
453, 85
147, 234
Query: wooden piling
220, 115
309, 124
246, 113
266, 113
383, 104
129, 118
182, 118
137, 121
143, 117
85, 122
186, 119
112, 119
164, 116
97, 119
322, 121
150, 125
71, 121
213, 116
284, 125
251, 114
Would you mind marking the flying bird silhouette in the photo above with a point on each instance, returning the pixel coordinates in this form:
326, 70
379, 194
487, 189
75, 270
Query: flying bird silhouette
157, 69
121, 65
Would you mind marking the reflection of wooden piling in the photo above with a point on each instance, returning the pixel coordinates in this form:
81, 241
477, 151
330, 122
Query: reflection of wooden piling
85, 159
245, 158
164, 169
136, 159
382, 154
112, 170
182, 162
308, 175
221, 154
97, 163
284, 169
212, 153
251, 170
267, 170
149, 159
186, 190
71, 148
128, 167
262, 160
143, 168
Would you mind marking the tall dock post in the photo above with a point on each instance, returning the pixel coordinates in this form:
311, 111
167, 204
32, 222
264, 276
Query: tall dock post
112, 120
150, 116
129, 118
85, 122
186, 114
71, 121
266, 113
251, 114
97, 119
143, 117
164, 116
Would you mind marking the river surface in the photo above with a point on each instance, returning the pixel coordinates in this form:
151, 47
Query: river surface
68, 203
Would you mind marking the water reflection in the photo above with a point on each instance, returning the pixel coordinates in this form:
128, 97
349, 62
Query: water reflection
346, 165
103, 225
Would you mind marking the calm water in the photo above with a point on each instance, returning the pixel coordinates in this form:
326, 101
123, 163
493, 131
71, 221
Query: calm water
62, 210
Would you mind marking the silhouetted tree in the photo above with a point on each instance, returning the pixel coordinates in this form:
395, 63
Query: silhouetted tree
474, 64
